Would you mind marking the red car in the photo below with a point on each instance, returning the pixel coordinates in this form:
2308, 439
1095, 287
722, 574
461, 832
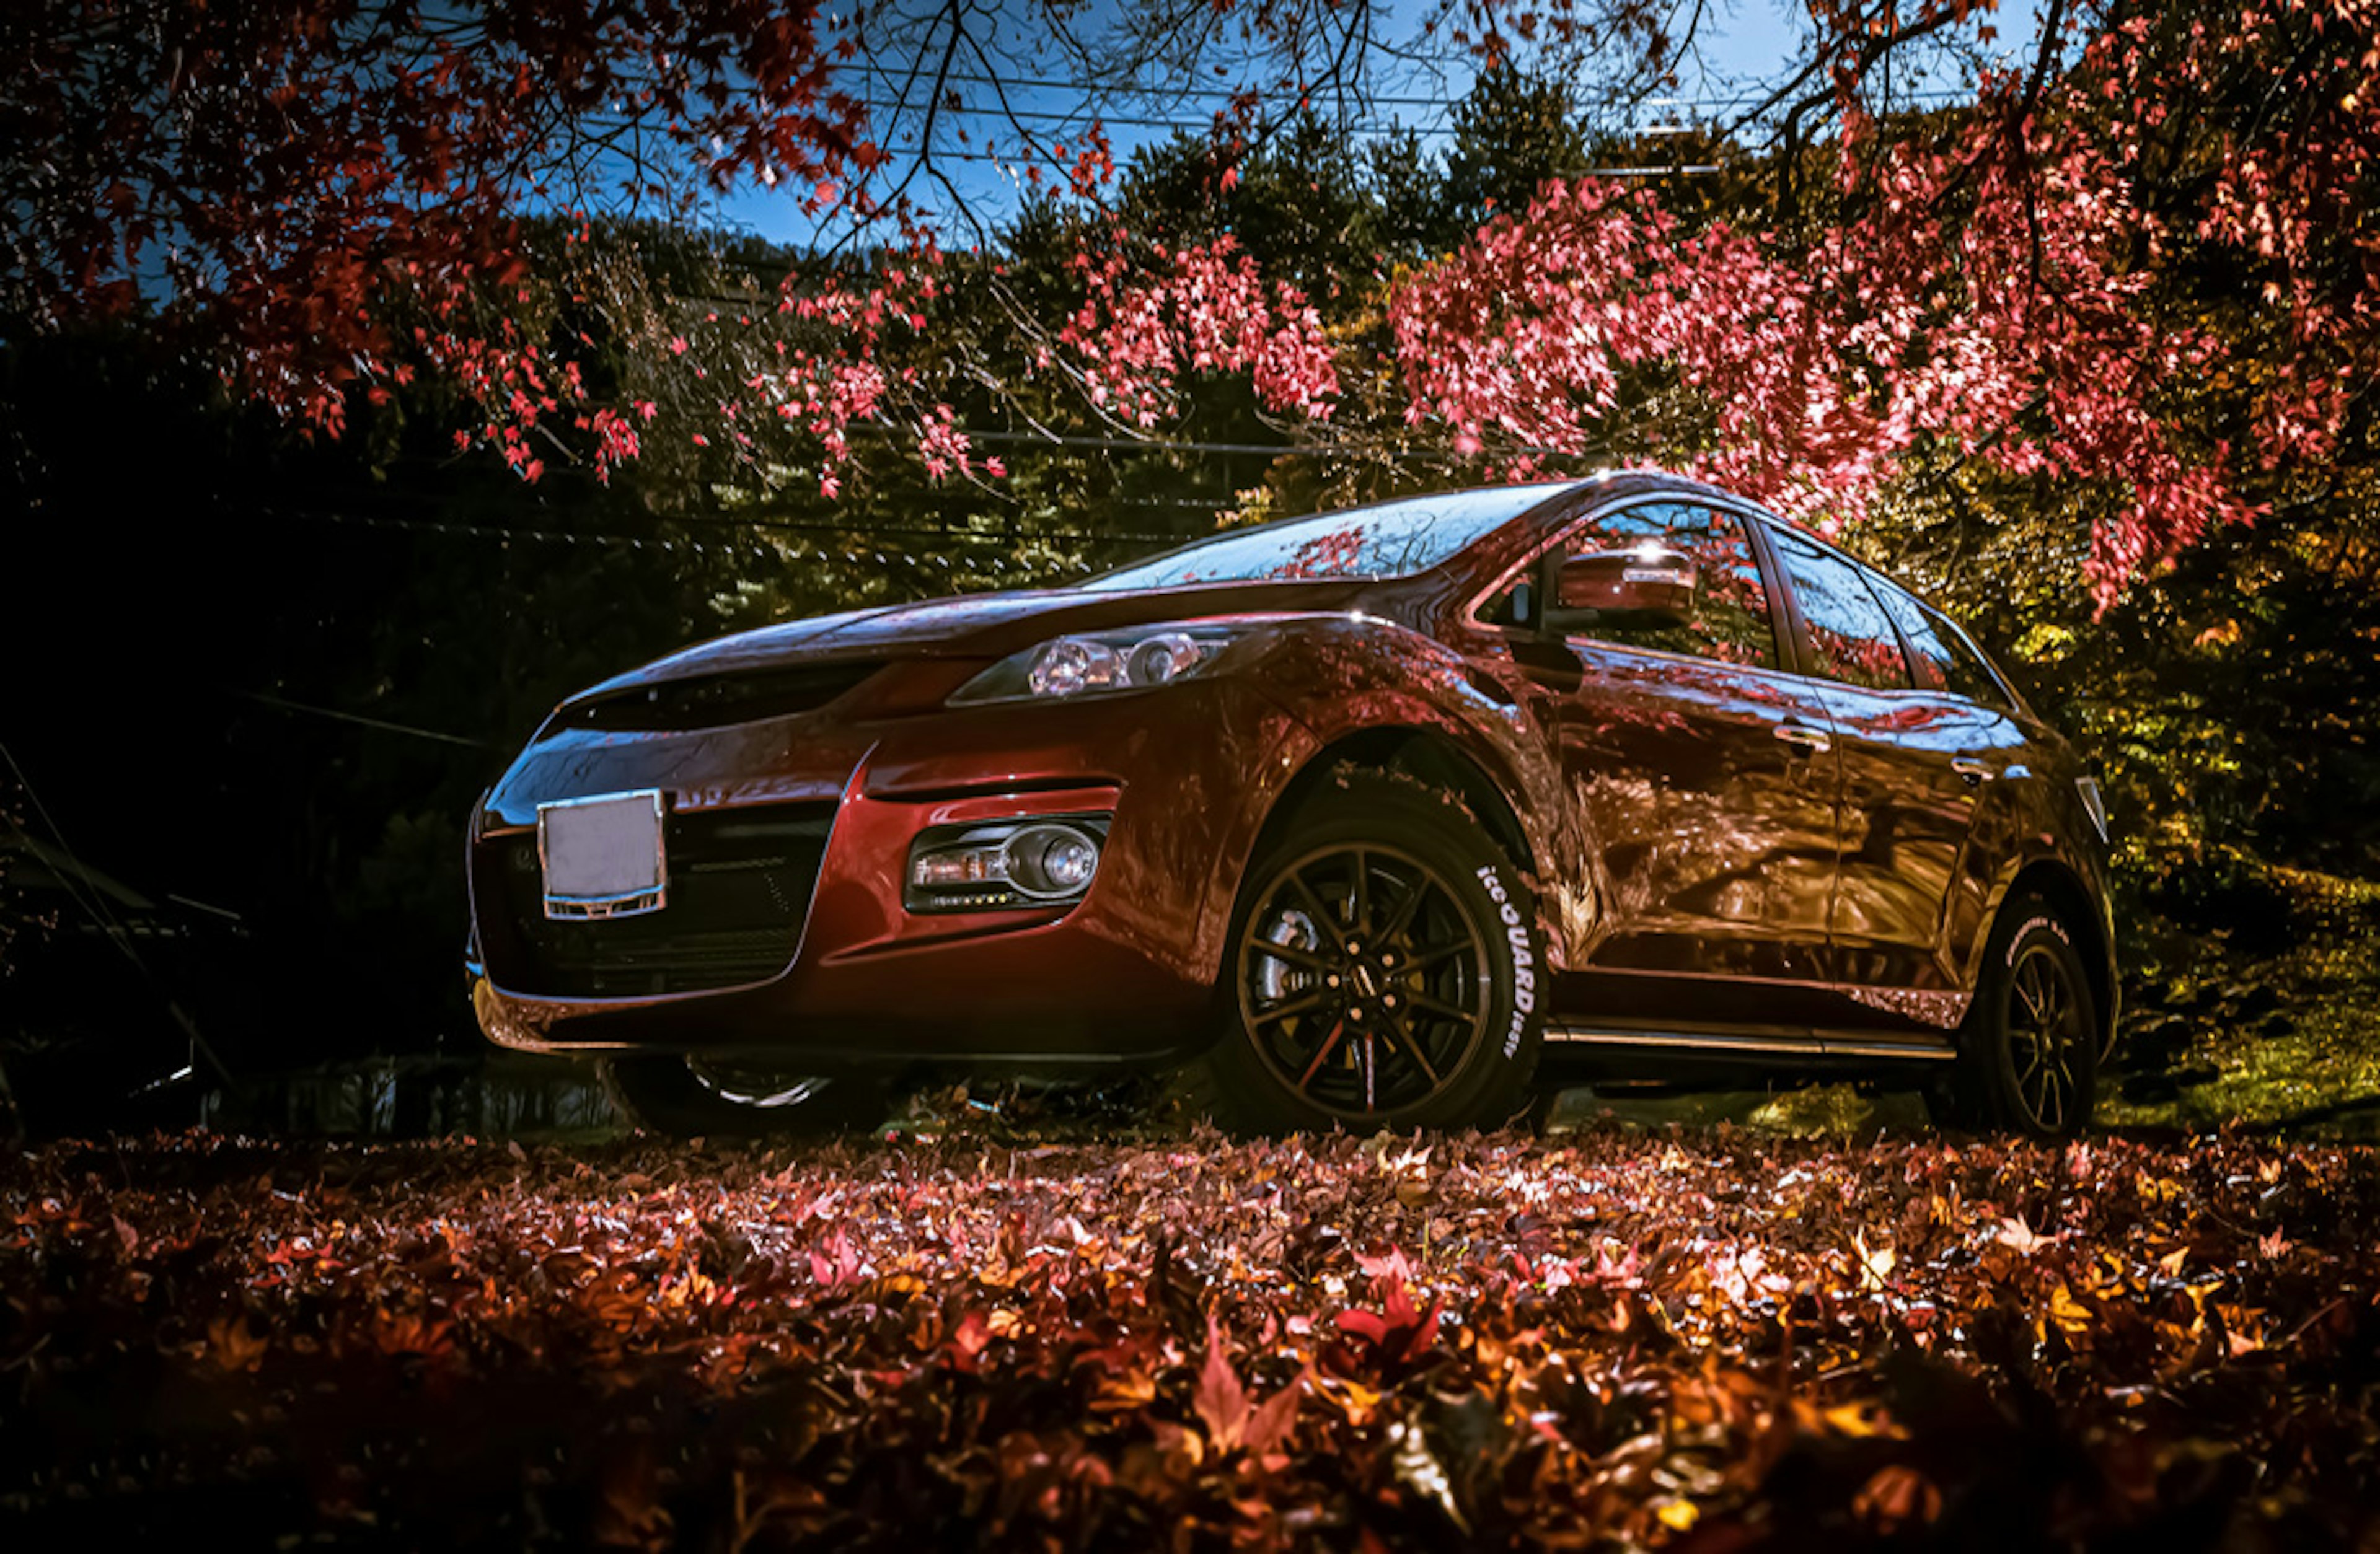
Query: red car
1382, 817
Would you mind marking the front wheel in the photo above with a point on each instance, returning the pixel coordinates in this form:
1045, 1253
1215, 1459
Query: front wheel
2029, 1053
724, 1098
1385, 970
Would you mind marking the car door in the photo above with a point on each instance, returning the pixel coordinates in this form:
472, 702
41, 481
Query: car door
1704, 775
1988, 756
1914, 761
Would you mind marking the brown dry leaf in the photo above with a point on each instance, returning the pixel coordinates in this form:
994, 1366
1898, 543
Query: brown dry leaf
233, 1347
1895, 1498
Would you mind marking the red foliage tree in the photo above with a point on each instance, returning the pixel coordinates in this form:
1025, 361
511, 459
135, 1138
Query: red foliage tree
2146, 263
284, 177
2023, 282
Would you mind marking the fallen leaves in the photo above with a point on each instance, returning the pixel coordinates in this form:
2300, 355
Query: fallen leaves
1706, 1341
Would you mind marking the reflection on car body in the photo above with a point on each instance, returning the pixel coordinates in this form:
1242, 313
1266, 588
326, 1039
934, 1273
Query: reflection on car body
1380, 817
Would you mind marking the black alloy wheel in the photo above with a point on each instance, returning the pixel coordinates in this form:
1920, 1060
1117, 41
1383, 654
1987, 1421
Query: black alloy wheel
2029, 1053
1384, 969
2046, 1031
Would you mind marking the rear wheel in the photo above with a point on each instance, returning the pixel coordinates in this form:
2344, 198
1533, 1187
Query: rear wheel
1383, 971
735, 1098
2029, 1053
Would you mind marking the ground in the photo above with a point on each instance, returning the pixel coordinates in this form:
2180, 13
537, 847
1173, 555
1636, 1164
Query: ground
1687, 1338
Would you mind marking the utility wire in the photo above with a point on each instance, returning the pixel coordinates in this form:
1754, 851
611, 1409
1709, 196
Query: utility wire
1032, 159
381, 723
1227, 94
759, 553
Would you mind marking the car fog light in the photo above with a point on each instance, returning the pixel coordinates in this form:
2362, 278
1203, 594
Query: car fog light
1051, 860
1005, 865
970, 866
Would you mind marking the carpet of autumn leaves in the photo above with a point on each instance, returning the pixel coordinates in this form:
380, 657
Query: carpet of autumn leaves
1706, 1340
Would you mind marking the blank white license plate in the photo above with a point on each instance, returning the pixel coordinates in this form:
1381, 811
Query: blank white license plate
603, 856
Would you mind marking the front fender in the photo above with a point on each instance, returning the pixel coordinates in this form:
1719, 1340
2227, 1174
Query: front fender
1349, 679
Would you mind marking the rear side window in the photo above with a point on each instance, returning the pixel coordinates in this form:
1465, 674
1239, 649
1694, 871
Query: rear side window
1729, 620
1966, 674
1849, 630
1930, 654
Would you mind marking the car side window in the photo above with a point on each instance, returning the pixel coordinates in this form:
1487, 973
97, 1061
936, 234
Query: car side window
1966, 674
1849, 630
1930, 655
1728, 618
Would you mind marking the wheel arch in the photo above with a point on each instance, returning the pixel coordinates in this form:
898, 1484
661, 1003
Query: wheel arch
1425, 754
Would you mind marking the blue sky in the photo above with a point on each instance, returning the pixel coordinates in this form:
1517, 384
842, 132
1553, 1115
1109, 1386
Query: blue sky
1743, 43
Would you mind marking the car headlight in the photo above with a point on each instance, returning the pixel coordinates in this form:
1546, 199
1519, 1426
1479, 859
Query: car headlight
1094, 663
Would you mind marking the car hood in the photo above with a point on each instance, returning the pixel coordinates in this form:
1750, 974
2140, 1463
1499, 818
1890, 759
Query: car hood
979, 625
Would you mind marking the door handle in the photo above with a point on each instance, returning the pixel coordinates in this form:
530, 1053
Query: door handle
1802, 736
1976, 772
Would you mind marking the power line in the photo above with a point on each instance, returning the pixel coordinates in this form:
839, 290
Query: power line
795, 526
381, 723
1011, 83
1155, 445
1178, 93
1134, 445
875, 554
1003, 159
1086, 116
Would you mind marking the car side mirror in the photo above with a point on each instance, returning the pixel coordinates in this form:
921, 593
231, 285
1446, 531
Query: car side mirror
1644, 585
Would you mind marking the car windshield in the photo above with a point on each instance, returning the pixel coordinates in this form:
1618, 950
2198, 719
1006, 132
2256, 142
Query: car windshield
1392, 539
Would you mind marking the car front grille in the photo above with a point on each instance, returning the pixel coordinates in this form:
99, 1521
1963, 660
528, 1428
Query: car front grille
739, 886
715, 700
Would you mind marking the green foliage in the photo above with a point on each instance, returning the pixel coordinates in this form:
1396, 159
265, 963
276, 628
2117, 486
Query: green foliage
1512, 133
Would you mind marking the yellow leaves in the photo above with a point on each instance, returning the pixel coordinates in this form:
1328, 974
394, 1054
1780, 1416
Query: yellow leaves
2071, 1317
693, 1288
1356, 1402
1123, 1391
1678, 1516
1860, 1419
2243, 1328
1874, 1265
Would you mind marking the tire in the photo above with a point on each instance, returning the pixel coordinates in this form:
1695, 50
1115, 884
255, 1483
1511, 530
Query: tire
1383, 970
687, 1097
2029, 1053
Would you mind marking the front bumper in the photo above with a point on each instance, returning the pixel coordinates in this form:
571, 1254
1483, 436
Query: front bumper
1125, 975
